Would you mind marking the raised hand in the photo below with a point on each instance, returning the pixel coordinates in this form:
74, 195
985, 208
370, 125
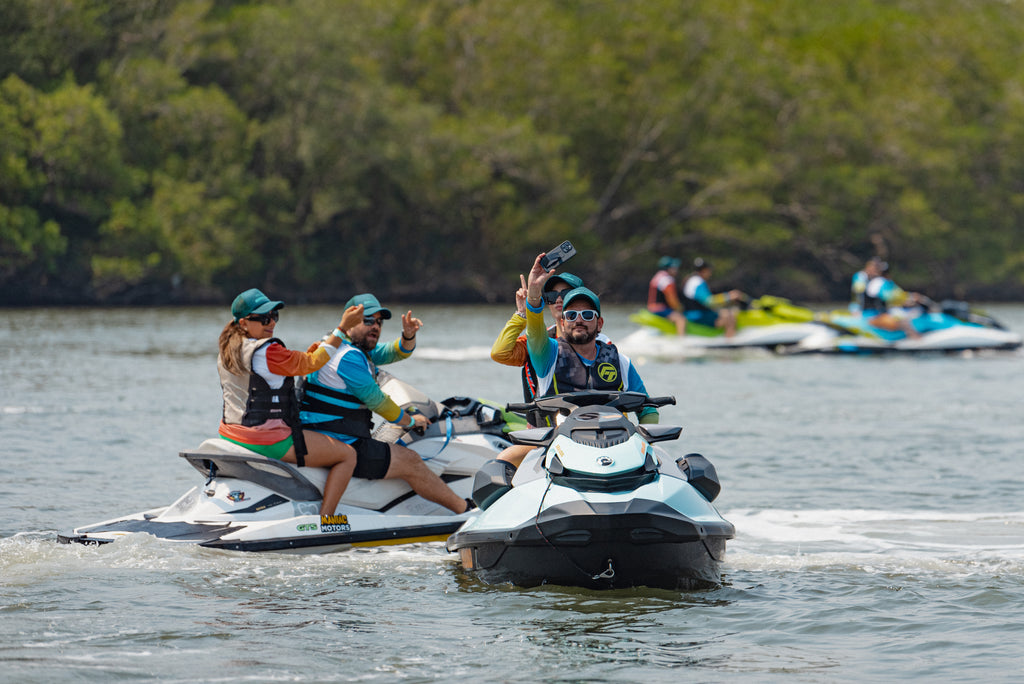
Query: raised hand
410, 325
521, 296
352, 317
535, 285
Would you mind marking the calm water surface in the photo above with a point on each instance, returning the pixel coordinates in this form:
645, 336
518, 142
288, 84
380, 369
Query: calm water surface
877, 501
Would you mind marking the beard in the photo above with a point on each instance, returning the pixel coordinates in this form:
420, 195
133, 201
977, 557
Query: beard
365, 340
580, 335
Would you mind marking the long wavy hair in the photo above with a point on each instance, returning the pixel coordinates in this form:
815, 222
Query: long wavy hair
230, 343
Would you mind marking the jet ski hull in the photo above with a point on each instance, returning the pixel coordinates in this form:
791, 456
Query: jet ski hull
600, 546
937, 333
769, 323
299, 534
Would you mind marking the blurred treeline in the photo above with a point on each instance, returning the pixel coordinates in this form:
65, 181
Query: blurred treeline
160, 151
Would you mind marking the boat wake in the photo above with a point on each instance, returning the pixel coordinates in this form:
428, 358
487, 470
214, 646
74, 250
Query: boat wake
989, 543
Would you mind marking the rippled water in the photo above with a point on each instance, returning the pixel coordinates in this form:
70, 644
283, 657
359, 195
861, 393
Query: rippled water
877, 501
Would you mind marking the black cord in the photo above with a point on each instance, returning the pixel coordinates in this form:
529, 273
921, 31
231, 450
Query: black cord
536, 523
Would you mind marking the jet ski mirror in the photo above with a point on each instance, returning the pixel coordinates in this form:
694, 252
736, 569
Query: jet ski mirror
541, 436
659, 433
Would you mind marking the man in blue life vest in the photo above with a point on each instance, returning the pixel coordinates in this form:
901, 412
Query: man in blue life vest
339, 399
701, 306
577, 360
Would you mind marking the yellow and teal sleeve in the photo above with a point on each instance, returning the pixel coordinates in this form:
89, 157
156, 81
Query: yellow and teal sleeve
510, 348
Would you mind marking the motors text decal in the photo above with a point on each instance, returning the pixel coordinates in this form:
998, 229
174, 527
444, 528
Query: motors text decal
334, 523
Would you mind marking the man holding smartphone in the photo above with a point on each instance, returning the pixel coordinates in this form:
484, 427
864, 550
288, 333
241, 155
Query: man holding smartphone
579, 359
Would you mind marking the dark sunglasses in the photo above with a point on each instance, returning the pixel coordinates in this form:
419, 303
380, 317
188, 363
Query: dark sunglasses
586, 314
263, 319
552, 296
372, 320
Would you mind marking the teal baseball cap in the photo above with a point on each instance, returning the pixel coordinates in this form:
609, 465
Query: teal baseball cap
568, 278
253, 302
667, 262
370, 305
581, 292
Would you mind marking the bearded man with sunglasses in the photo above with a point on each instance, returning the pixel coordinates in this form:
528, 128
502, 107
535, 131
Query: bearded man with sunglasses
340, 398
581, 358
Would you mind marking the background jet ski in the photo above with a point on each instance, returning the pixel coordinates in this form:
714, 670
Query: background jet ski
949, 326
252, 503
767, 322
596, 505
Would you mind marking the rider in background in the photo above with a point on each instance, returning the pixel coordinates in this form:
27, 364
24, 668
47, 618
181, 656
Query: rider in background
706, 308
888, 306
663, 293
859, 283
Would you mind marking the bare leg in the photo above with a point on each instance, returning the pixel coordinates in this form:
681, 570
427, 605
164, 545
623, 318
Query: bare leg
886, 321
680, 322
326, 452
727, 320
515, 454
407, 465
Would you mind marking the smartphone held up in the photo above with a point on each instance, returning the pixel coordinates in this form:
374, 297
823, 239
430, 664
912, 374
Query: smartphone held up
557, 256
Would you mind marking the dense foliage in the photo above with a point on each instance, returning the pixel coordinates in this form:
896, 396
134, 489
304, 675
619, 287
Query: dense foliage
182, 150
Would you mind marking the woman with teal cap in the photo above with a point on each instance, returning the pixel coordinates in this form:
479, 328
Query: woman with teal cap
257, 377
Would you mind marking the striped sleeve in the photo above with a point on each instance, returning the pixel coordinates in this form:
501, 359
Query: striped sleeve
290, 362
510, 347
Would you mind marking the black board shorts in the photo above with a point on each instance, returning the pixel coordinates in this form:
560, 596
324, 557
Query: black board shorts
373, 458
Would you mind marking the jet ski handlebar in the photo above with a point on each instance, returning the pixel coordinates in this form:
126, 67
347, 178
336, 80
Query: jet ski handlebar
566, 403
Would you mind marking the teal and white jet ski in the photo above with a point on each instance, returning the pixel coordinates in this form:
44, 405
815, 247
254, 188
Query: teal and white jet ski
596, 504
951, 326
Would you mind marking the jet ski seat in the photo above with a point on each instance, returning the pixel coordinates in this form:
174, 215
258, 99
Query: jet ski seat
232, 460
221, 458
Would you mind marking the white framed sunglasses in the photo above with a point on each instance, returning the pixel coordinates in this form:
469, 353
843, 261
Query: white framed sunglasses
586, 314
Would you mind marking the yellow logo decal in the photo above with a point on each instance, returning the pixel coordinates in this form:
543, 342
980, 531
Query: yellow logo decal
334, 523
334, 520
607, 372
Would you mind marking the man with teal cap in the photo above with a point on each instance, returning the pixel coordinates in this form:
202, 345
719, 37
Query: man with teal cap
340, 398
663, 293
705, 308
582, 357
509, 348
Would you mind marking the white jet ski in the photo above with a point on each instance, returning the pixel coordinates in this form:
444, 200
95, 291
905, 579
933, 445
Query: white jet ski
248, 502
596, 505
